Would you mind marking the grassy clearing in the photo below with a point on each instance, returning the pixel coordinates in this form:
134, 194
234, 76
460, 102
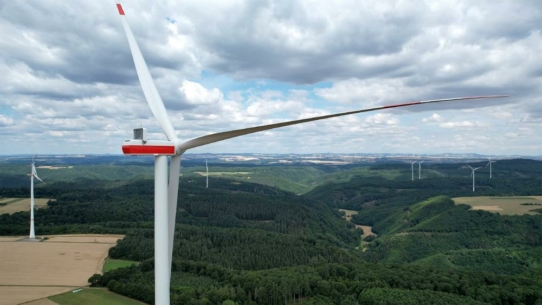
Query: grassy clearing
517, 205
111, 264
92, 296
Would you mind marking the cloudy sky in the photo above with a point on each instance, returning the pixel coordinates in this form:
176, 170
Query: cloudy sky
68, 82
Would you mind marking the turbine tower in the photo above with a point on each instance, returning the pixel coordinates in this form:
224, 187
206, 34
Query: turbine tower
165, 195
489, 163
473, 175
33, 174
206, 175
420, 170
412, 168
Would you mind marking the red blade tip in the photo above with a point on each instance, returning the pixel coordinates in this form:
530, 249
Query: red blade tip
119, 7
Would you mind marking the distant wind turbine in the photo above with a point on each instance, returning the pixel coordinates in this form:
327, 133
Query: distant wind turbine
206, 175
420, 169
473, 174
166, 194
489, 163
33, 174
412, 168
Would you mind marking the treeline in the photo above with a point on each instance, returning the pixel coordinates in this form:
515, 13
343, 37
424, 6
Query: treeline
361, 283
244, 249
438, 233
240, 205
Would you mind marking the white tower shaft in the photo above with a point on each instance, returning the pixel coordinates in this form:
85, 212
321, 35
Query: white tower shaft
32, 233
161, 247
473, 174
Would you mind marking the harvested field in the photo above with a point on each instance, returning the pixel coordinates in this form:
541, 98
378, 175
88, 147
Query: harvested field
487, 208
30, 271
12, 295
53, 167
367, 230
223, 173
85, 238
21, 204
515, 205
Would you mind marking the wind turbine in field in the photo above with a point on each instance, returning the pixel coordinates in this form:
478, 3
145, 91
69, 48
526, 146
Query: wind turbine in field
206, 175
420, 169
165, 195
412, 168
473, 174
489, 163
33, 174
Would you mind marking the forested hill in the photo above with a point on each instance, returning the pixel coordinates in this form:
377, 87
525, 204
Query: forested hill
510, 177
254, 244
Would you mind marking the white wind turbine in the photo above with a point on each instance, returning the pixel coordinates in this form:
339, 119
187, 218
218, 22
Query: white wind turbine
33, 174
489, 163
412, 168
206, 175
473, 175
420, 169
165, 195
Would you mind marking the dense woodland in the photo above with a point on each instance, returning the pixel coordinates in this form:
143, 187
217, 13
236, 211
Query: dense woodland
256, 244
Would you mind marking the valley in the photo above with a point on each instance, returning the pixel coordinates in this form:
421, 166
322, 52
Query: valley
270, 243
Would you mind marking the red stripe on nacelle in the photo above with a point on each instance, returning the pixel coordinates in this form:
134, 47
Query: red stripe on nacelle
148, 150
121, 11
401, 105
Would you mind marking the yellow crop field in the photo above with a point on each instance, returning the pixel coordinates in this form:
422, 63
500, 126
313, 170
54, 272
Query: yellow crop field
34, 270
514, 205
20, 204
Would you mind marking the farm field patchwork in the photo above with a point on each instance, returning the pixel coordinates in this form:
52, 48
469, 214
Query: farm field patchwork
34, 270
513, 205
20, 204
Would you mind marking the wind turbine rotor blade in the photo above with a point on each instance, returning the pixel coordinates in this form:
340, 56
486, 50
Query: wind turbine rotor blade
173, 193
147, 84
35, 173
216, 137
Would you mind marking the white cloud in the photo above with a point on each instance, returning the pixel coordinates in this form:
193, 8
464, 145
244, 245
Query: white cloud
196, 94
382, 119
68, 73
433, 118
6, 121
466, 124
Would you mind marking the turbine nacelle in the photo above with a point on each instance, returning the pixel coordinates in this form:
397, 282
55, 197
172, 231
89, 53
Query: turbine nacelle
137, 147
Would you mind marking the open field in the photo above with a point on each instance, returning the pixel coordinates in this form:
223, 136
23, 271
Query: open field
223, 173
92, 296
503, 205
11, 295
20, 204
367, 230
53, 167
34, 270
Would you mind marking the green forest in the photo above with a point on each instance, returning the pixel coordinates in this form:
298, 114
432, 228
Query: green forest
264, 241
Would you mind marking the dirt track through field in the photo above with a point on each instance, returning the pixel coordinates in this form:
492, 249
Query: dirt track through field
34, 270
